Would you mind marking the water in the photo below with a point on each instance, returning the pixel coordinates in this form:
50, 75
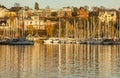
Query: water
60, 61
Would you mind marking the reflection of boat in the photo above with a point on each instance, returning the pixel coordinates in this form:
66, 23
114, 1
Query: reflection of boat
17, 41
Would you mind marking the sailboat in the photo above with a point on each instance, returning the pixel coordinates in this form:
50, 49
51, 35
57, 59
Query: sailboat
17, 41
20, 41
54, 40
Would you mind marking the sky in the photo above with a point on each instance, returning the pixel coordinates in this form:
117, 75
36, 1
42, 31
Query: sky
57, 4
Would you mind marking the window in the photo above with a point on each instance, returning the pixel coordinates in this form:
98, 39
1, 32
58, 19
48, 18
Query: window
35, 17
30, 22
35, 22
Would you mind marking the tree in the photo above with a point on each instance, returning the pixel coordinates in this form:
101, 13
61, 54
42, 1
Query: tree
47, 7
102, 7
15, 8
95, 8
83, 13
16, 5
36, 6
75, 11
54, 14
86, 8
49, 28
2, 6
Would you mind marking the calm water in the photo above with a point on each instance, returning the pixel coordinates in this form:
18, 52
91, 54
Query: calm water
60, 61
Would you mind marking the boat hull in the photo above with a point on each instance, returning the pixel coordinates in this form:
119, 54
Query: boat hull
17, 42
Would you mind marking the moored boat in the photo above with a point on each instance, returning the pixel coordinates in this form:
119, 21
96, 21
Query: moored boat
55, 41
48, 41
17, 41
100, 42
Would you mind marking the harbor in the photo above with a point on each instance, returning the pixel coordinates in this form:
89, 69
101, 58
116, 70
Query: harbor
60, 39
98, 25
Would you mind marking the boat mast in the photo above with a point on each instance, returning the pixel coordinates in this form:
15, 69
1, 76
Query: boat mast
22, 23
59, 27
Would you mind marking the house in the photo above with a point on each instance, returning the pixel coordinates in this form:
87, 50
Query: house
65, 11
61, 13
3, 12
107, 16
23, 13
31, 17
12, 19
36, 21
68, 11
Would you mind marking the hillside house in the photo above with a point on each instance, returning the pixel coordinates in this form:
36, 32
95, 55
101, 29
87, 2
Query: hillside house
107, 16
36, 21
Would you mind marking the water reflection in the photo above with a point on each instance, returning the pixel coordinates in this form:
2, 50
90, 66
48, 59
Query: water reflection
60, 61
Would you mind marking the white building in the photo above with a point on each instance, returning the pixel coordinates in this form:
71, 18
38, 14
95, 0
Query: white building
32, 17
3, 12
107, 16
36, 21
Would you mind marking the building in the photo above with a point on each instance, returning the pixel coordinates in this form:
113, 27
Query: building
107, 16
61, 13
32, 17
3, 12
36, 21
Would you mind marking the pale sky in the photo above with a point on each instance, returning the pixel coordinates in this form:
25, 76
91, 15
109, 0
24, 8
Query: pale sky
56, 4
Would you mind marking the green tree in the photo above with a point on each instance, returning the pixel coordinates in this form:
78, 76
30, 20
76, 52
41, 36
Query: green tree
75, 11
2, 6
16, 5
36, 6
15, 8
